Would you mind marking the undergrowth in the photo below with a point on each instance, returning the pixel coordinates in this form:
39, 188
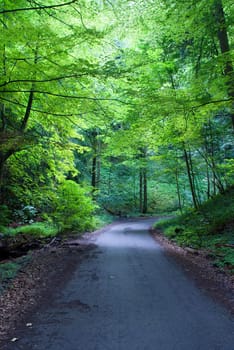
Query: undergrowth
210, 228
38, 229
102, 219
9, 270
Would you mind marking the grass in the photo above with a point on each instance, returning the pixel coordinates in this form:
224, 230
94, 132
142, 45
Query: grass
9, 270
39, 229
102, 219
210, 228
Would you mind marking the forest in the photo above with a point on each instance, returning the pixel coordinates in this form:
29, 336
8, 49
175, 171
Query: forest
116, 108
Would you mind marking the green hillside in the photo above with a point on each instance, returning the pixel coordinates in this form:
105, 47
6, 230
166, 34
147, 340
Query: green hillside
210, 228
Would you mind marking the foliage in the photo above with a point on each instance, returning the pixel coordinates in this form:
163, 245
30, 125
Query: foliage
210, 228
38, 229
102, 220
25, 215
138, 105
4, 215
73, 207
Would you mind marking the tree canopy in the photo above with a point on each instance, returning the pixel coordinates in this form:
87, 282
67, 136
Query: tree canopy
131, 100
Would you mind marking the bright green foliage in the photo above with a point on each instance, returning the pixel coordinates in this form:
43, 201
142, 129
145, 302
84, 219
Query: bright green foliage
134, 98
73, 207
37, 229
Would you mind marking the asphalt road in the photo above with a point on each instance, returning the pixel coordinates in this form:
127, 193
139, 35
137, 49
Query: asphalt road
127, 295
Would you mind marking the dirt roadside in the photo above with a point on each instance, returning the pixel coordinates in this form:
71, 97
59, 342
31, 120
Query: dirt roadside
49, 268
215, 282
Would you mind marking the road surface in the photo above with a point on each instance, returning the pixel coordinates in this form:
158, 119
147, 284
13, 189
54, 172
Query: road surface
127, 295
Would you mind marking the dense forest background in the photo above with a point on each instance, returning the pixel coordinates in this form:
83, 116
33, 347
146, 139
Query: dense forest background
118, 107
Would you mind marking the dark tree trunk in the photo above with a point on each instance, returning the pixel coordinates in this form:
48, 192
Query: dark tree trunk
191, 180
145, 194
28, 111
140, 191
221, 29
178, 189
94, 172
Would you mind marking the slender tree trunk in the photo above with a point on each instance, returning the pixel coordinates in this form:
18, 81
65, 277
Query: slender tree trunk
98, 166
140, 190
216, 178
208, 181
28, 110
222, 34
178, 189
145, 194
191, 182
94, 172
135, 191
93, 137
109, 181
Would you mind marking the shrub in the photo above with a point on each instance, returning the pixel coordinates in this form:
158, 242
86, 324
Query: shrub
4, 215
26, 215
39, 229
73, 207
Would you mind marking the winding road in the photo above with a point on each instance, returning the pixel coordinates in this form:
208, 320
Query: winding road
128, 295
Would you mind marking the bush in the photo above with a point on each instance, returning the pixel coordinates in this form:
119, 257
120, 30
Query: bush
39, 229
4, 215
26, 215
73, 207
211, 227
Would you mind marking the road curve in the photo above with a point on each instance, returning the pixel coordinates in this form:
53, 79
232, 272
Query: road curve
127, 295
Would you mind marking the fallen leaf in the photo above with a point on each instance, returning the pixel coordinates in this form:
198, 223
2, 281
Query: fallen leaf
14, 339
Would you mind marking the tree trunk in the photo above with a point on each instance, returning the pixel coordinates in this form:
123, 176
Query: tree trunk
191, 182
94, 172
140, 190
145, 194
28, 110
221, 29
208, 181
178, 189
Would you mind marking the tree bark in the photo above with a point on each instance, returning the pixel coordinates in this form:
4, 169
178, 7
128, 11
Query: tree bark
191, 182
221, 29
140, 191
178, 189
145, 194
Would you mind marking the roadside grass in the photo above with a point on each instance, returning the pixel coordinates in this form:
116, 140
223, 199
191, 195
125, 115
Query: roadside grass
102, 220
15, 237
37, 230
41, 231
9, 270
210, 228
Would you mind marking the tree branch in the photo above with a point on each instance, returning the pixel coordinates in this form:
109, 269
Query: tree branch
42, 80
48, 112
38, 7
212, 102
67, 96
